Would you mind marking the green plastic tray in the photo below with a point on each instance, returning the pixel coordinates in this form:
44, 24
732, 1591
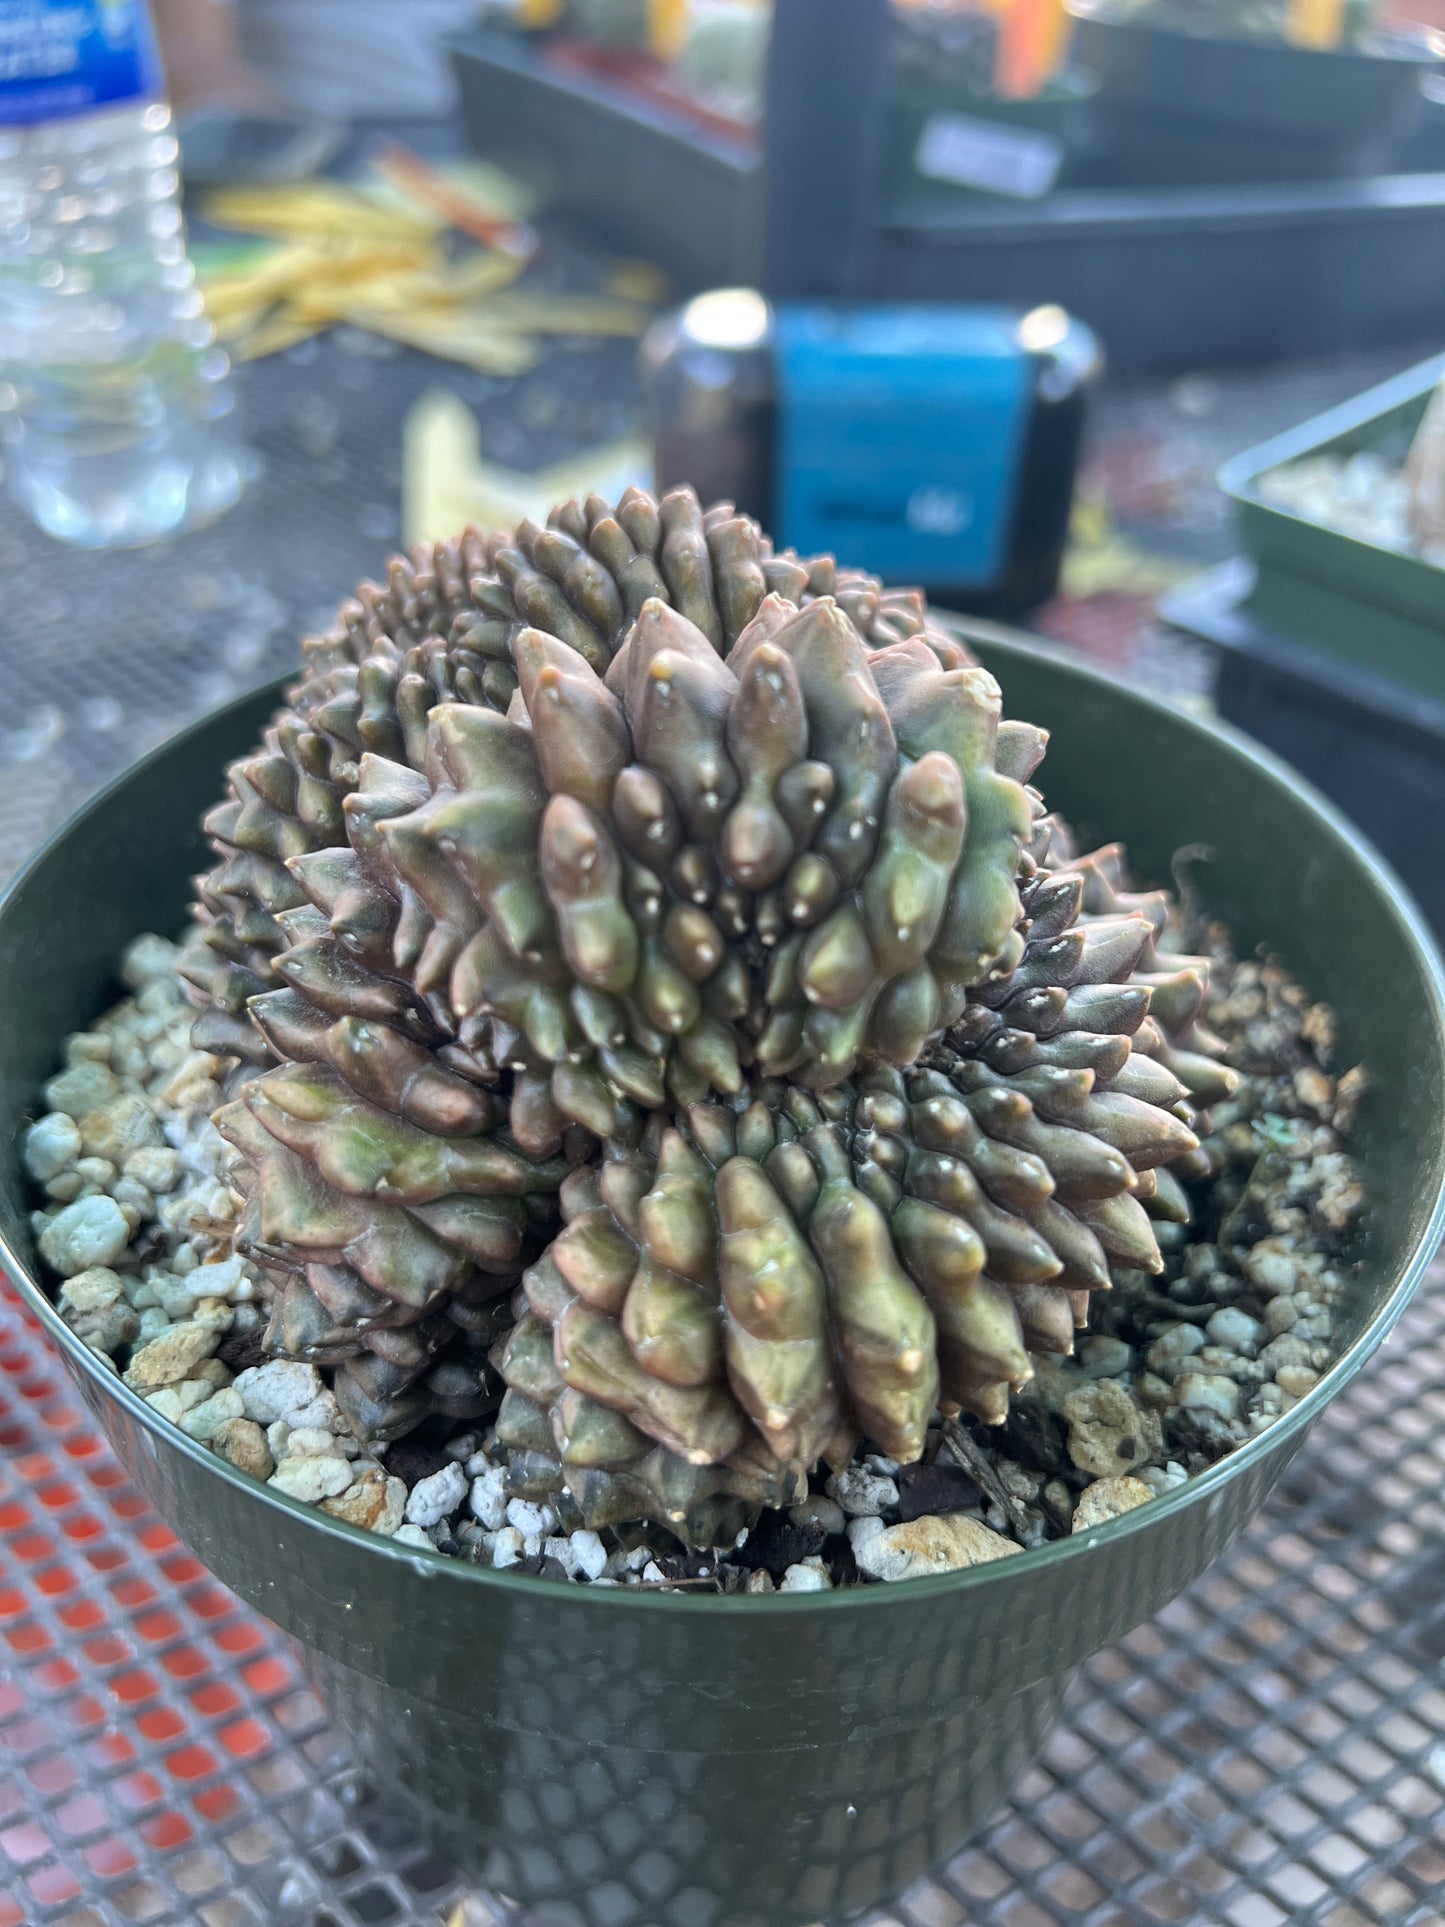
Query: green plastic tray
1371, 605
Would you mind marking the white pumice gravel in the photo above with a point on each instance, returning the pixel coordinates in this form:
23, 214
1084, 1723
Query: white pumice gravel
487, 1497
810, 1576
862, 1492
437, 1498
1360, 494
136, 1219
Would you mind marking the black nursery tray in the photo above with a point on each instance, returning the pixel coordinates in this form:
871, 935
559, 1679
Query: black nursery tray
1170, 278
1374, 746
645, 179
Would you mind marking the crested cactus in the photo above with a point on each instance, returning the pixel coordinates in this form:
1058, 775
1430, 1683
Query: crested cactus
672, 981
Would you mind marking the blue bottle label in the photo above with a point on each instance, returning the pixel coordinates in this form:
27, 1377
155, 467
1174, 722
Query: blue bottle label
59, 58
900, 437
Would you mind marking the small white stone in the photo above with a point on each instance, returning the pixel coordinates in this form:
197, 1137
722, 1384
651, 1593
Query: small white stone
114, 1129
175, 1299
652, 1574
1106, 1357
215, 1314
219, 1279
864, 1528
91, 1290
146, 959
436, 1498
810, 1576
131, 1193
1280, 1315
82, 1088
1174, 1343
277, 1389
167, 1404
861, 1493
488, 1500
560, 1549
410, 1535
205, 1420
876, 1462
312, 1478
1163, 1479
507, 1548
589, 1555
1205, 1392
313, 1438
1296, 1380
278, 1434
89, 1047
154, 1166
1235, 1331
321, 1411
1288, 1349
153, 1323
532, 1520
51, 1145
92, 1231
1272, 1270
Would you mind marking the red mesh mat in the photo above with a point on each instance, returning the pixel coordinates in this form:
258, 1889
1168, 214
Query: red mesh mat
1270, 1750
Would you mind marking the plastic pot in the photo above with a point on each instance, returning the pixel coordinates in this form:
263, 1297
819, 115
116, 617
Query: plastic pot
1183, 108
620, 1756
1374, 608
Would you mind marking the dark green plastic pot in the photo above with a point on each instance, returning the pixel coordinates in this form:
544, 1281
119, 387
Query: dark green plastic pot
612, 1756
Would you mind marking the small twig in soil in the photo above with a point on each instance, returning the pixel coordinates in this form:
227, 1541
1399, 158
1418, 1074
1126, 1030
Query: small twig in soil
980, 1468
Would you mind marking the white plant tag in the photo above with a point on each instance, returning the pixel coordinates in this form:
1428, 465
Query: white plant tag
983, 154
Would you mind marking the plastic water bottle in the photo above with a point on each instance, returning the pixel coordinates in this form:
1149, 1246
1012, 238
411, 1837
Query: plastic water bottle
115, 401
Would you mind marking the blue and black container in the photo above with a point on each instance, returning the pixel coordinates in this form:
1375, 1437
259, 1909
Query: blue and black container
932, 444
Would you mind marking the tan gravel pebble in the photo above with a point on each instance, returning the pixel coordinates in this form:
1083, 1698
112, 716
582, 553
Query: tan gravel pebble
935, 1543
171, 1356
1108, 1499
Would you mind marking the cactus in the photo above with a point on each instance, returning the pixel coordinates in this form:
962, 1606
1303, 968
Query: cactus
701, 1010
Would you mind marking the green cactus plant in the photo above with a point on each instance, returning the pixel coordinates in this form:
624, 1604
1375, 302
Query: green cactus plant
672, 982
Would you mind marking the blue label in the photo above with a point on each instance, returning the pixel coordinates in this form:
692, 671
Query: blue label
64, 57
900, 433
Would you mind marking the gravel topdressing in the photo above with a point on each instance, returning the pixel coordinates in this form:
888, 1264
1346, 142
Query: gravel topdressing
1178, 1368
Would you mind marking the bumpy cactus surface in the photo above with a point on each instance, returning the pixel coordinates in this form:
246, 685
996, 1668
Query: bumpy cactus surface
670, 926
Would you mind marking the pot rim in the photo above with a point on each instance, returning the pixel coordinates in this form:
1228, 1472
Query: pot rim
1204, 1489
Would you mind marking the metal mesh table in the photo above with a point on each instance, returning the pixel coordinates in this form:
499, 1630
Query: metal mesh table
1270, 1750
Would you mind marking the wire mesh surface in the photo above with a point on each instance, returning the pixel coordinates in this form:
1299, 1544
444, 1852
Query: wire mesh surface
1270, 1749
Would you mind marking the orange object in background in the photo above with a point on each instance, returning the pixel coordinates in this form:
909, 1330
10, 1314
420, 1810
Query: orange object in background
1031, 40
1315, 23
